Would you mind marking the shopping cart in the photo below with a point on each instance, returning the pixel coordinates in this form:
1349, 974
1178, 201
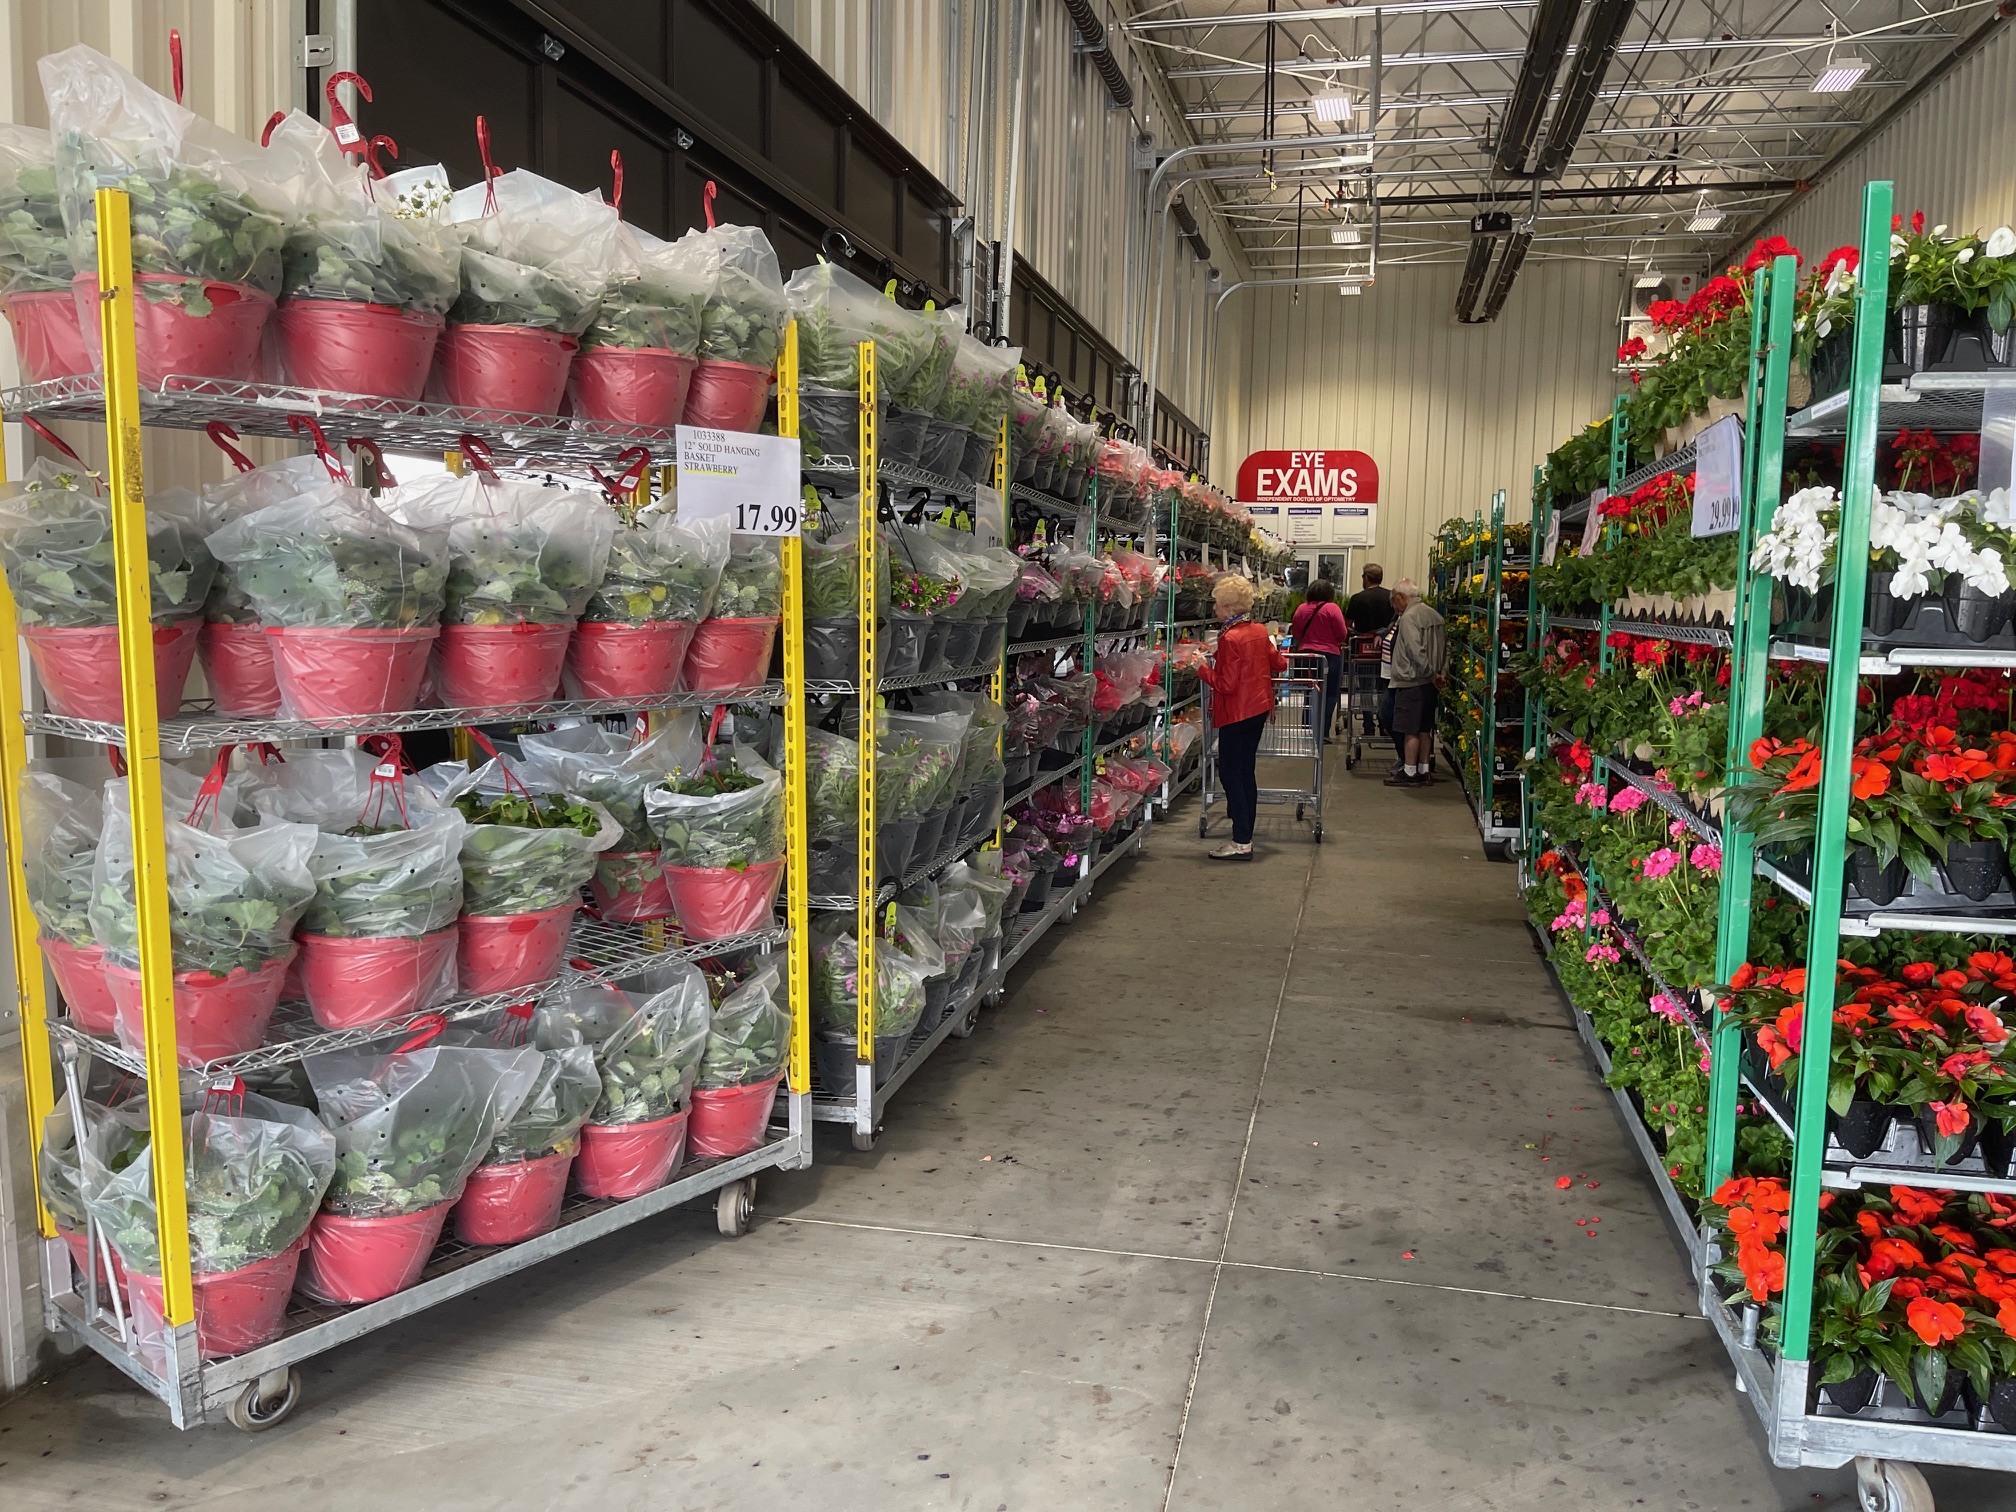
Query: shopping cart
1291, 734
1361, 697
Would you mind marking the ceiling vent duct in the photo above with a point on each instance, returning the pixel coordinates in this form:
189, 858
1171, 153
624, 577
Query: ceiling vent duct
1095, 44
1485, 230
1192, 233
1546, 46
1601, 33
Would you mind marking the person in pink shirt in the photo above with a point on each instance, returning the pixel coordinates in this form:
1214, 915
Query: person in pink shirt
1318, 627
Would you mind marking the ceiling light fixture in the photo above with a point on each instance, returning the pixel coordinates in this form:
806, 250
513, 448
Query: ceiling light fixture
1649, 279
1330, 105
1706, 217
1839, 74
1344, 236
1351, 288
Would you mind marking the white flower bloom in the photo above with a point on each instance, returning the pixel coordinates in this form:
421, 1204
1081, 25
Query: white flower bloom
1897, 244
1987, 573
1938, 230
1823, 326
2001, 242
1995, 508
1966, 255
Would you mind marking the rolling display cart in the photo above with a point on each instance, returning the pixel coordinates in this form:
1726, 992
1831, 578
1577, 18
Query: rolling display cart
258, 1388
1479, 572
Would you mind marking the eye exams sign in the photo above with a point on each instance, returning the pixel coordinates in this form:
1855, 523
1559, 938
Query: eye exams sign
1312, 498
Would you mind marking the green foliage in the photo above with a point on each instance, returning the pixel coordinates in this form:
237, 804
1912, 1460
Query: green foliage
183, 222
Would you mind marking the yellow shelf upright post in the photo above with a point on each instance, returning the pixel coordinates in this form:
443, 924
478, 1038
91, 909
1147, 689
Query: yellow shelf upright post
864, 878
797, 844
998, 683
143, 769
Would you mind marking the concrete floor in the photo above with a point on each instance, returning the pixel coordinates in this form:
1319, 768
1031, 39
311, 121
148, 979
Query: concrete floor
1245, 1200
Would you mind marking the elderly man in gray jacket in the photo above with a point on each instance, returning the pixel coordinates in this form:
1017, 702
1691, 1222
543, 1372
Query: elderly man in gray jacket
1420, 660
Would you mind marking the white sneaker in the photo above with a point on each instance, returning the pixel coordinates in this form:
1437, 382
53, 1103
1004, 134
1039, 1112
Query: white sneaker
1231, 851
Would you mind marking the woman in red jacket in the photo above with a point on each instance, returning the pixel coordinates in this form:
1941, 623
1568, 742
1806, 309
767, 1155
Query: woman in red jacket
1241, 679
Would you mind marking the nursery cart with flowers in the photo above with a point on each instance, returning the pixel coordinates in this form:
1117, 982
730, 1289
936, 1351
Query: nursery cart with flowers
1479, 572
185, 1286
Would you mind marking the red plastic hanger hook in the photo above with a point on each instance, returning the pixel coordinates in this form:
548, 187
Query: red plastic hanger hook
205, 806
489, 166
52, 438
304, 425
616, 168
223, 435
348, 137
707, 202
478, 452
425, 1028
371, 150
510, 777
388, 779
175, 60
365, 446
266, 136
623, 487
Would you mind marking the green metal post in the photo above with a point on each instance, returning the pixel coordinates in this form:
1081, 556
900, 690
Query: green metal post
1844, 666
1487, 755
1533, 734
1771, 310
1091, 738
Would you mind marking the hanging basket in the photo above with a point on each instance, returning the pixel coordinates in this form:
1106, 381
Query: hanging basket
628, 1160
170, 341
626, 661
236, 1310
335, 674
499, 952
642, 386
714, 902
350, 983
80, 1256
351, 347
504, 370
238, 665
80, 976
366, 1259
728, 396
488, 666
79, 668
629, 887
47, 339
731, 1120
728, 655
214, 1016
514, 1201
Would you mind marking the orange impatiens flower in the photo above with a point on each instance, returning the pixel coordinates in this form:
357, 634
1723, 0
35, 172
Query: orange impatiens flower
1806, 774
1915, 1207
1935, 1322
1871, 777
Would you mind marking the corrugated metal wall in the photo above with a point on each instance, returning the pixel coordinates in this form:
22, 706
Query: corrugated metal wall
1950, 155
1448, 412
894, 56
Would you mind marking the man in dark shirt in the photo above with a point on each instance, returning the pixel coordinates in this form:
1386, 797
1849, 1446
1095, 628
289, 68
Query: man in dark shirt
1371, 607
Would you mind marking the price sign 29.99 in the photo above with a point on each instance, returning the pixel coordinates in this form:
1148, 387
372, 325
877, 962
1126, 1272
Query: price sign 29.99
751, 479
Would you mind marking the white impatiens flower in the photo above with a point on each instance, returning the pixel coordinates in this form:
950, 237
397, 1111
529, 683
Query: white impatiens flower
1897, 244
1800, 541
1841, 279
1966, 255
1939, 231
2001, 242
1995, 509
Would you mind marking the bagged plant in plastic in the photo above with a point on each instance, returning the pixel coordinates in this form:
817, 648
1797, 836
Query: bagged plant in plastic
61, 820
743, 321
563, 1092
525, 850
831, 561
520, 553
926, 386
899, 977
980, 755
752, 583
661, 569
727, 813
749, 1036
990, 888
981, 385
34, 248
607, 768
832, 784
120, 1135
656, 296
836, 312
329, 558
647, 1053
56, 546
928, 751
244, 494
535, 253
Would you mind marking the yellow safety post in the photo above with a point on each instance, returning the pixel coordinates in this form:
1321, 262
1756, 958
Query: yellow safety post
31, 978
143, 746
797, 840
998, 684
864, 880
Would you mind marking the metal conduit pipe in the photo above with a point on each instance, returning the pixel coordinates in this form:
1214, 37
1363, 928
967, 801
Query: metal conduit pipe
1099, 48
1218, 304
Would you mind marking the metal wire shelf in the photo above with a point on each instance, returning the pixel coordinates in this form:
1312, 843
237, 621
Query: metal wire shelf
836, 686
1674, 461
1924, 401
264, 409
200, 731
1666, 798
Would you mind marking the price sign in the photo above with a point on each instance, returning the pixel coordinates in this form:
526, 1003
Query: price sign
751, 479
1718, 477
1553, 538
1592, 528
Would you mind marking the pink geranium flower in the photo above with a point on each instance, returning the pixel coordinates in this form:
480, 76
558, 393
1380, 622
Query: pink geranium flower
1706, 857
1627, 802
1660, 863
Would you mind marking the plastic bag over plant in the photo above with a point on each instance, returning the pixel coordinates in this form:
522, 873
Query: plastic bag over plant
752, 582
836, 979
520, 553
980, 753
647, 1053
562, 1094
205, 204
832, 784
344, 242
330, 559
56, 545
121, 1134
656, 296
836, 312
233, 894
540, 259
254, 1176
831, 561
745, 314
750, 1035
926, 386
412, 1125
729, 813
239, 495
604, 767
989, 887
387, 858
34, 249
523, 851
661, 568
61, 820
980, 387
921, 755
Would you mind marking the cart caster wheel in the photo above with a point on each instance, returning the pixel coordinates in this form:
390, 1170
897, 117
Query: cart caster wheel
863, 1142
1298, 813
734, 1206
1891, 1486
253, 1412
1203, 828
1317, 835
967, 1023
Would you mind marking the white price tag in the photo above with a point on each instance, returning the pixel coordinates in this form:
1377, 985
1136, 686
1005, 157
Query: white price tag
990, 515
1718, 477
348, 135
1592, 528
1553, 538
751, 479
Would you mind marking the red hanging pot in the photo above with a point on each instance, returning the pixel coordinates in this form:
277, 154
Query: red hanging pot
238, 665
643, 386
714, 902
726, 655
236, 1310
334, 674
47, 339
489, 666
629, 887
366, 1259
79, 668
728, 396
353, 982
513, 1202
351, 347
80, 976
172, 343
80, 1256
731, 1120
214, 1016
504, 370
498, 952
626, 661
628, 1160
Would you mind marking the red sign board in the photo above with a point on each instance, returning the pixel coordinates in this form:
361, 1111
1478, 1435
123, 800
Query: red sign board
1317, 477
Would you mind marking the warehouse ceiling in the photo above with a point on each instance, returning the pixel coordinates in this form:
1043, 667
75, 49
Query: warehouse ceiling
1682, 104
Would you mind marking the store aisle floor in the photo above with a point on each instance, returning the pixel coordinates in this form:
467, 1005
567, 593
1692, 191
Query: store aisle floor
1245, 1200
